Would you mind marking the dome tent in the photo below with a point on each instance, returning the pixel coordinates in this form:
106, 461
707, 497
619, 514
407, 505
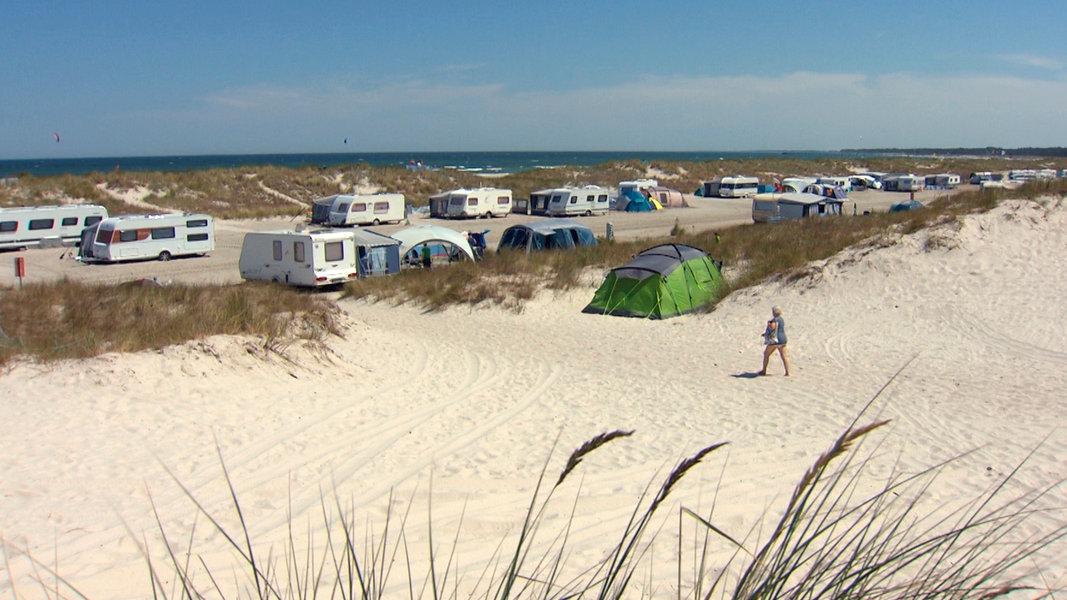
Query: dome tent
660, 282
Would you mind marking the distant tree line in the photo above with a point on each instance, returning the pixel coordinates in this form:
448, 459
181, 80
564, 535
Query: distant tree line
987, 151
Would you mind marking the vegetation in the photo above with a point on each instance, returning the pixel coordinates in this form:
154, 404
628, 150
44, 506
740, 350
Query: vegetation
73, 320
263, 191
751, 253
832, 540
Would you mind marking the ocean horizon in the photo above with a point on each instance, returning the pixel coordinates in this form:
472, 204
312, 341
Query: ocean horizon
479, 162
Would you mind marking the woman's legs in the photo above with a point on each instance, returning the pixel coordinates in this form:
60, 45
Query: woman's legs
785, 359
768, 351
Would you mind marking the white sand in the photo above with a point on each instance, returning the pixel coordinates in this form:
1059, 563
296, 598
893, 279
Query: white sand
464, 407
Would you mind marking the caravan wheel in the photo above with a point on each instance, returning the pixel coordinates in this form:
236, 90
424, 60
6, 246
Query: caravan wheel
164, 256
376, 222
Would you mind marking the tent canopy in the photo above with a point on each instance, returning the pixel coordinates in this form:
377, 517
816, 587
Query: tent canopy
660, 282
410, 237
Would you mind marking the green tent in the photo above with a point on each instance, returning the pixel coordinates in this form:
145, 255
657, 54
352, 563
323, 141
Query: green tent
663, 281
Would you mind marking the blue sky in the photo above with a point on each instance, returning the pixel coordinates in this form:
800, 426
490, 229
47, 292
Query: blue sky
126, 78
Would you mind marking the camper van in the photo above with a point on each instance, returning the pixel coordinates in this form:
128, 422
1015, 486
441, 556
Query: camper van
903, 183
43, 226
138, 237
312, 258
588, 200
772, 208
367, 209
485, 202
738, 186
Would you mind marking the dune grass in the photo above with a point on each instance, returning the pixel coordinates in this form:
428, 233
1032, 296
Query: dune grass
68, 319
830, 541
750, 253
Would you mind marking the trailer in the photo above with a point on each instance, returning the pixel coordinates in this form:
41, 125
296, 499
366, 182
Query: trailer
312, 258
46, 226
485, 202
367, 209
738, 186
140, 237
588, 200
789, 206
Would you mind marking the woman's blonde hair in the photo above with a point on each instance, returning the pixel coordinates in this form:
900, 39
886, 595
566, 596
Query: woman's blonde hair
776, 311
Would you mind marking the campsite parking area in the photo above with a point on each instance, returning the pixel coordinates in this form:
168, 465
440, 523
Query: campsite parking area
220, 266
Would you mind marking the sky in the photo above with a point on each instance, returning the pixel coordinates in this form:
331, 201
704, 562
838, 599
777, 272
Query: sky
136, 78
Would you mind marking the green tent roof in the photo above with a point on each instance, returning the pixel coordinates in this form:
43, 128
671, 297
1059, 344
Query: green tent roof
660, 282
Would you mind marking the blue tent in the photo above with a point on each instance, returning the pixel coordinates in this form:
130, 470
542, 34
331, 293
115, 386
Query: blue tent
636, 202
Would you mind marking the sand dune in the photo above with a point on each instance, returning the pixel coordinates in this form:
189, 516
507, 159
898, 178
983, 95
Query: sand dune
461, 409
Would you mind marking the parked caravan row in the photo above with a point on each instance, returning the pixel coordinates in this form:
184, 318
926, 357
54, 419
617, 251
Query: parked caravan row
343, 210
485, 202
137, 237
43, 226
772, 208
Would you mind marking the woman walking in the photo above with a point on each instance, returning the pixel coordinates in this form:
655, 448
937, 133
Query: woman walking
774, 339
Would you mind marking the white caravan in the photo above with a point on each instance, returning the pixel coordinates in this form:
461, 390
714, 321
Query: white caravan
135, 237
43, 226
588, 200
485, 202
312, 258
738, 186
367, 209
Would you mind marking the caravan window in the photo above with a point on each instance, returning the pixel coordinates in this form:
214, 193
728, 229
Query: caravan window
358, 207
456, 201
334, 251
163, 233
472, 201
197, 237
68, 221
129, 235
277, 248
37, 224
380, 208
602, 198
93, 220
590, 198
574, 199
502, 199
196, 223
342, 207
298, 251
9, 226
103, 236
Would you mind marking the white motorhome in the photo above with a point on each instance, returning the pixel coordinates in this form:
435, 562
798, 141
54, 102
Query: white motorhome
367, 209
485, 202
738, 186
588, 200
797, 184
312, 258
136, 237
42, 226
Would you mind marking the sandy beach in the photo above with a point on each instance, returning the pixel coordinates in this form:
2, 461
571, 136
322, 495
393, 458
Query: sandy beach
458, 411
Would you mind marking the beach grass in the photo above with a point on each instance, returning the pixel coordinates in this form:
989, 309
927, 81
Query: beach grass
831, 540
269, 191
67, 319
750, 253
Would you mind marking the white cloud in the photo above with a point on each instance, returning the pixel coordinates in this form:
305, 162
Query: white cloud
802, 110
1032, 60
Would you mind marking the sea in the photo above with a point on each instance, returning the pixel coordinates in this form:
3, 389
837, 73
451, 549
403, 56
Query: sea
477, 162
